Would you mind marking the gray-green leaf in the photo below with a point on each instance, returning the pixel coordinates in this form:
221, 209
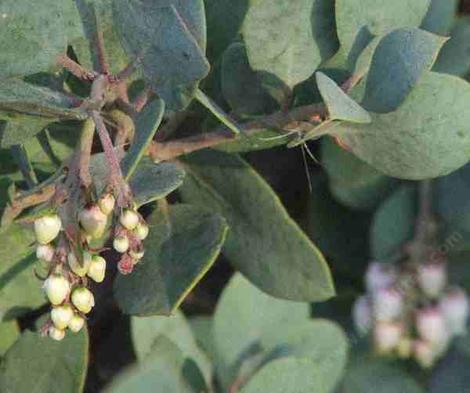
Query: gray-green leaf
264, 243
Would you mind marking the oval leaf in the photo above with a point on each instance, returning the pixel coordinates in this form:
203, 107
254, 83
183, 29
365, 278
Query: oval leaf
264, 243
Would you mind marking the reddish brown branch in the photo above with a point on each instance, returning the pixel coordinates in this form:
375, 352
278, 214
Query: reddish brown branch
75, 69
164, 151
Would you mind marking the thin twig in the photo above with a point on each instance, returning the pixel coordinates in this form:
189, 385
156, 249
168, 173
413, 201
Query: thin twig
163, 151
44, 140
84, 152
75, 69
142, 99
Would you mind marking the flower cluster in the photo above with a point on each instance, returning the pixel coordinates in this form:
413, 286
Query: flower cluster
72, 265
411, 311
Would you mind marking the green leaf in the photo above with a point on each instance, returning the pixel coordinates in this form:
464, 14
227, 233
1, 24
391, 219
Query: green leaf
427, 136
330, 224
279, 39
161, 37
441, 16
455, 55
358, 21
167, 370
145, 331
393, 223
9, 332
31, 38
201, 327
183, 244
36, 364
319, 340
244, 314
376, 375
149, 182
287, 375
352, 182
146, 126
241, 86
452, 204
83, 18
451, 375
399, 61
264, 243
340, 105
18, 98
217, 111
16, 132
20, 290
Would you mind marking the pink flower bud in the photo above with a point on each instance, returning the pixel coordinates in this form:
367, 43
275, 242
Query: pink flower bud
387, 336
387, 304
455, 308
56, 334
424, 353
380, 275
121, 244
432, 278
129, 219
126, 265
76, 323
431, 326
93, 221
361, 314
45, 252
47, 228
83, 300
106, 203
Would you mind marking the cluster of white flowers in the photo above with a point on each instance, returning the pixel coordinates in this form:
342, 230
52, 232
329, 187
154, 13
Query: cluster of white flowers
411, 312
71, 265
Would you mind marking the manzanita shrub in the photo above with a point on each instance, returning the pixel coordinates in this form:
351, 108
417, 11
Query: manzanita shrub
128, 131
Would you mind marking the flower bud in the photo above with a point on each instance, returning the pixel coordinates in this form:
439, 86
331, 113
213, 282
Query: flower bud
455, 308
61, 316
432, 278
141, 230
380, 275
83, 299
45, 252
431, 326
362, 315
121, 244
106, 203
56, 334
47, 228
129, 219
79, 269
424, 353
387, 304
136, 256
93, 221
387, 336
57, 289
76, 323
97, 269
126, 265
